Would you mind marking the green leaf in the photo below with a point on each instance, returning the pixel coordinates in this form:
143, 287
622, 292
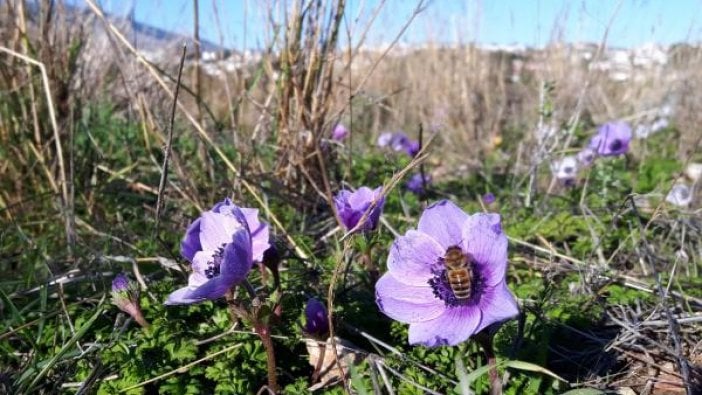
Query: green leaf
530, 367
357, 381
71, 342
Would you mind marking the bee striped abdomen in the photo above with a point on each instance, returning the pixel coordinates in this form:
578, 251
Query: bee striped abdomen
459, 273
460, 282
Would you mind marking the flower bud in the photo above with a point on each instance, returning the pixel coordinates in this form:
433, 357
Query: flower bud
316, 322
125, 295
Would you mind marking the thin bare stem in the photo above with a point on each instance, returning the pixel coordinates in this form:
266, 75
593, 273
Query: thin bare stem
169, 143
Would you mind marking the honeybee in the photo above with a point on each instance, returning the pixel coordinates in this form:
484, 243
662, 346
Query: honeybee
459, 272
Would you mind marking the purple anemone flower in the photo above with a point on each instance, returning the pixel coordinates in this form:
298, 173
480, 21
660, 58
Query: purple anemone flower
416, 185
221, 245
412, 148
399, 141
611, 139
339, 132
447, 278
384, 139
316, 322
351, 205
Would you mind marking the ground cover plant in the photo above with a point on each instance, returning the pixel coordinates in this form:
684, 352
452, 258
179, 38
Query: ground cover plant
329, 218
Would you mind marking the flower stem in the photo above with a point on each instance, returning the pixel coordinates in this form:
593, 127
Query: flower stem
485, 341
368, 261
265, 334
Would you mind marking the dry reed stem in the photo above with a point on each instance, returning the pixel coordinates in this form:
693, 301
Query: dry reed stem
203, 134
57, 142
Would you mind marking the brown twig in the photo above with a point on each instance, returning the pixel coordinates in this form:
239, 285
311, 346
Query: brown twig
169, 143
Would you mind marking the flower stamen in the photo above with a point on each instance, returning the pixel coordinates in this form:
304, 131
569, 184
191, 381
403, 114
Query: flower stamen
214, 265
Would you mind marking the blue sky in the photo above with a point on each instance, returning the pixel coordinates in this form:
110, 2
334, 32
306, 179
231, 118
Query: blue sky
502, 22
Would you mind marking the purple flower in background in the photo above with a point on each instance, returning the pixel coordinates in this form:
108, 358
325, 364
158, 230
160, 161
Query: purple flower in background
339, 132
350, 207
447, 278
488, 198
565, 169
316, 322
416, 185
412, 148
384, 139
221, 245
586, 156
679, 195
399, 141
611, 139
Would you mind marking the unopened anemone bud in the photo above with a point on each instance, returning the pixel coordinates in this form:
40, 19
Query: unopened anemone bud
339, 132
125, 295
316, 320
488, 198
120, 284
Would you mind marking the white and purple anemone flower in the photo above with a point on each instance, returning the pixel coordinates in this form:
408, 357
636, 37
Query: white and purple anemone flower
221, 245
611, 139
565, 169
679, 195
384, 139
416, 289
339, 132
350, 207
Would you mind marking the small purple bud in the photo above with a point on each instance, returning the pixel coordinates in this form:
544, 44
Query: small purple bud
489, 198
339, 132
316, 322
125, 295
120, 283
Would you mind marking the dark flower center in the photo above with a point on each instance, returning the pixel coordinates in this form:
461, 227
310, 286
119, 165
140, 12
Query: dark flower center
213, 265
616, 145
456, 280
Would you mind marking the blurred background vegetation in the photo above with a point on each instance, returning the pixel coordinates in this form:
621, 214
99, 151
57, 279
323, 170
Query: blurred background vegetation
607, 273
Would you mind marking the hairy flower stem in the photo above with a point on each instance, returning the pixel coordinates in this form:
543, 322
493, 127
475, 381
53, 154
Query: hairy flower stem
265, 334
485, 341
